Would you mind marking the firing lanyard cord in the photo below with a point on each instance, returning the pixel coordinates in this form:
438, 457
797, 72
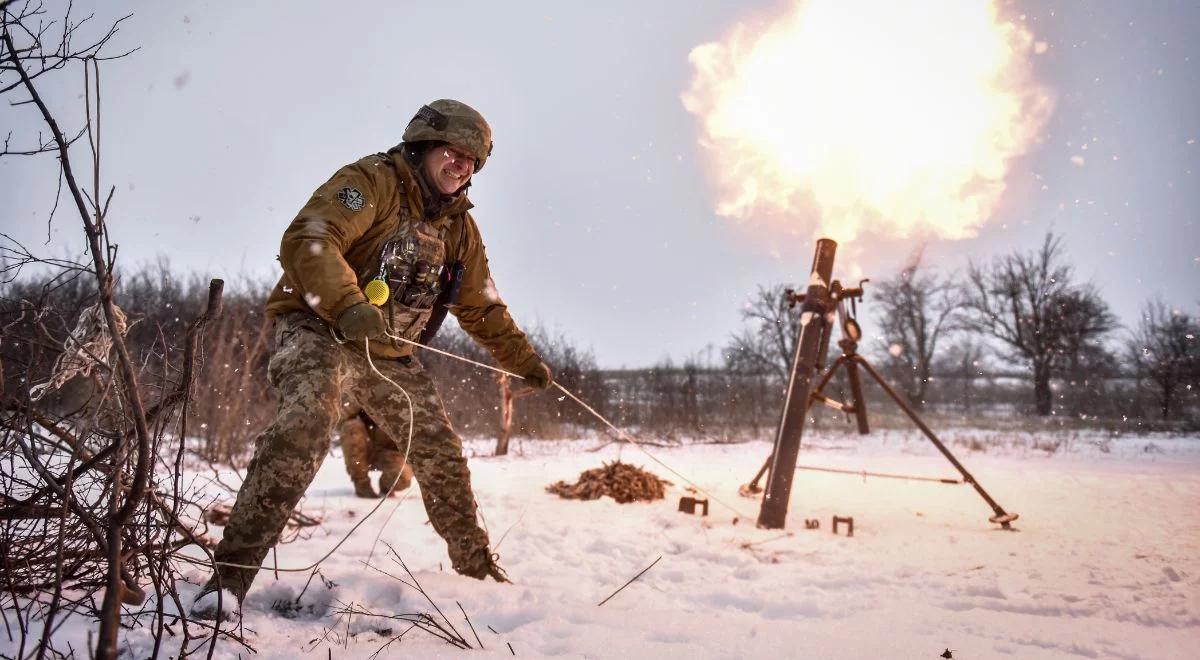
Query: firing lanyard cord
883, 475
408, 445
626, 436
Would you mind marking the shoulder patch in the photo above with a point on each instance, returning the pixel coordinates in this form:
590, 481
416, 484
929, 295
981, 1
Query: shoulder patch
351, 198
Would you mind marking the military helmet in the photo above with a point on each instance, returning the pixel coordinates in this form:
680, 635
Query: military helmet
446, 120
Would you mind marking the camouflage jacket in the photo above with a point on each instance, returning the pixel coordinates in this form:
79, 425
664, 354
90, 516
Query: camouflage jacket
332, 248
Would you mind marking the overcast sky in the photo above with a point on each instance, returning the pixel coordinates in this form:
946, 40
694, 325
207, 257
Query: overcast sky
595, 206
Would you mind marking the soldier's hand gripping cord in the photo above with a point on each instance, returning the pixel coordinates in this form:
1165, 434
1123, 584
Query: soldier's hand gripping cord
539, 378
360, 321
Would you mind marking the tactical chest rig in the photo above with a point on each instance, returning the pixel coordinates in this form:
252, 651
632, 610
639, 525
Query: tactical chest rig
415, 284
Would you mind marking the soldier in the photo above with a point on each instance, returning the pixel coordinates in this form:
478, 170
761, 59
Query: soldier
366, 447
368, 257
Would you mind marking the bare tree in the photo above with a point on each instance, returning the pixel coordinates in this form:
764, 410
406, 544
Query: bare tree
1084, 363
768, 343
1029, 303
81, 502
1166, 351
915, 310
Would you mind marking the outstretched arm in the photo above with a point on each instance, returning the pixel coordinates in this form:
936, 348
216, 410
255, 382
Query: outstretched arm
483, 314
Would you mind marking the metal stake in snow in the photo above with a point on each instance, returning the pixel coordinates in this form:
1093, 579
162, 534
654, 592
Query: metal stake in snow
825, 299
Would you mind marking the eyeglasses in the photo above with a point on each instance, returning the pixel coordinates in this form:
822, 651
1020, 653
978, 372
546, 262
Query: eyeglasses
459, 156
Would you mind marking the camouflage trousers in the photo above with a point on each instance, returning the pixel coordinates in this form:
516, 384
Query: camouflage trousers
311, 371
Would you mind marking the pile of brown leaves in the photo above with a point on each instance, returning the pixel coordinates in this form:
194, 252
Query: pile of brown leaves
620, 481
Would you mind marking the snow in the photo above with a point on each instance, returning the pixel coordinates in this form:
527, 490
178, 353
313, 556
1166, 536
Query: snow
1105, 563
206, 605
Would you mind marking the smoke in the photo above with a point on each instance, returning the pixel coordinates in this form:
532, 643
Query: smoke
844, 117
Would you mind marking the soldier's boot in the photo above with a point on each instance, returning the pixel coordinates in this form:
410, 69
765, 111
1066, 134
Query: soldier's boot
483, 565
287, 454
396, 480
364, 489
356, 448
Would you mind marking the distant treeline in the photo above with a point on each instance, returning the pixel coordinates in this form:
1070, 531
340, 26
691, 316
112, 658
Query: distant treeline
942, 345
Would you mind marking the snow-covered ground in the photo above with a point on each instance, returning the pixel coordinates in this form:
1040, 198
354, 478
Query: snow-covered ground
1105, 562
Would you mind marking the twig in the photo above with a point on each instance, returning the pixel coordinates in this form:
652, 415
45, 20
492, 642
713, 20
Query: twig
510, 528
464, 613
642, 572
420, 589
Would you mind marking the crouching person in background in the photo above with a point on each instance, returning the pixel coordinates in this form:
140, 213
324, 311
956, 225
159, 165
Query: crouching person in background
366, 447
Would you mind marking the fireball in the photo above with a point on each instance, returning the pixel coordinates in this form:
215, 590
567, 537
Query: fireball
847, 117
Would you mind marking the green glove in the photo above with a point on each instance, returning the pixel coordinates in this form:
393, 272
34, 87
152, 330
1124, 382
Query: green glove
362, 320
539, 378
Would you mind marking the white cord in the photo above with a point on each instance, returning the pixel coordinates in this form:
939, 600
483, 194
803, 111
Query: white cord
633, 441
382, 499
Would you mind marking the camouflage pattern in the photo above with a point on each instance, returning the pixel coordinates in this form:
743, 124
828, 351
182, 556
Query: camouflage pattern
331, 251
465, 128
311, 371
366, 447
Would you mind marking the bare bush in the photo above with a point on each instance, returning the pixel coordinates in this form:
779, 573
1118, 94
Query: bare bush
87, 522
235, 399
700, 399
474, 398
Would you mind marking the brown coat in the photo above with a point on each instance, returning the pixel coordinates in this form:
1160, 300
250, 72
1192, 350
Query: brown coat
332, 248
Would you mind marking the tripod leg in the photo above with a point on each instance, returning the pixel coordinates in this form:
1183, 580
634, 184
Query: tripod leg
1002, 517
856, 395
752, 487
828, 375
